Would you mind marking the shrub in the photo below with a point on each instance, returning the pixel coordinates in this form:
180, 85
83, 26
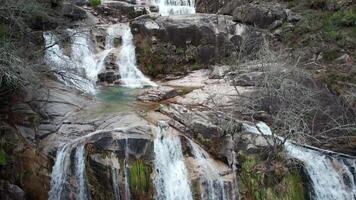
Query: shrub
344, 18
95, 2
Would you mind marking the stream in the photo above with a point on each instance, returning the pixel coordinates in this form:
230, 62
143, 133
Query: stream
77, 66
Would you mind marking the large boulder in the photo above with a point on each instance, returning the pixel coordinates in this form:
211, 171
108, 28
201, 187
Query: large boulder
181, 43
120, 9
73, 12
259, 16
157, 93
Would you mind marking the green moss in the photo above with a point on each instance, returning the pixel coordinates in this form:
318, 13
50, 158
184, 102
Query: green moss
260, 184
140, 177
3, 159
95, 2
343, 18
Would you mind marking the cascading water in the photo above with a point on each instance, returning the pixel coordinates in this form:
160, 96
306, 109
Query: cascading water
59, 173
212, 182
115, 182
332, 177
171, 180
80, 172
126, 170
175, 7
82, 54
64, 68
131, 76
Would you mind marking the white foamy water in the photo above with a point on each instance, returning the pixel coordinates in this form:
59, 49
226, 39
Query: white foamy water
131, 76
83, 54
175, 7
63, 66
212, 182
59, 174
115, 182
80, 172
171, 180
332, 176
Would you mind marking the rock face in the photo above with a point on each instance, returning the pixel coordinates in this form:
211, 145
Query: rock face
157, 94
120, 10
179, 43
74, 12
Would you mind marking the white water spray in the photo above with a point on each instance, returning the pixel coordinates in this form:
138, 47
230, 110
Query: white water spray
80, 172
331, 177
171, 179
115, 182
175, 7
212, 182
131, 76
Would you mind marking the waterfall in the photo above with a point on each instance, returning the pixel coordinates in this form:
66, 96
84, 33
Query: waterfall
126, 170
171, 180
331, 178
83, 54
64, 68
212, 182
59, 173
175, 7
80, 172
131, 76
115, 182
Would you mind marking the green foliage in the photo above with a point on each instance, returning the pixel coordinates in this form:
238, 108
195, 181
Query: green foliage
258, 184
330, 55
140, 177
95, 2
344, 18
3, 160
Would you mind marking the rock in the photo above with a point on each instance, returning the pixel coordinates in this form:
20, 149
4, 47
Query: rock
74, 12
10, 191
198, 122
179, 43
292, 16
344, 59
230, 6
219, 71
157, 94
247, 79
80, 2
120, 8
108, 76
258, 16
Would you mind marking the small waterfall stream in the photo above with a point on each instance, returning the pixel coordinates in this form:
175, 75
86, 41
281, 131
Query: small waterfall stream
175, 7
212, 182
332, 177
130, 74
80, 172
171, 181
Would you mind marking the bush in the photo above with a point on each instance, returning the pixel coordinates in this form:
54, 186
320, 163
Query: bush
344, 18
95, 2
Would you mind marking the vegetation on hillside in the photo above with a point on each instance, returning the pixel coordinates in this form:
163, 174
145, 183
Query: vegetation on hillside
19, 19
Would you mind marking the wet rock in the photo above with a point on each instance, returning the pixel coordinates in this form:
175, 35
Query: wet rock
109, 76
74, 12
157, 93
120, 8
